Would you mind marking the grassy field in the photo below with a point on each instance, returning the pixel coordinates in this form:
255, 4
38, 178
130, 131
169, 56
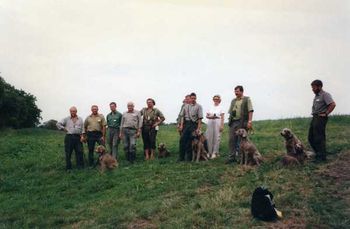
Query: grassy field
36, 191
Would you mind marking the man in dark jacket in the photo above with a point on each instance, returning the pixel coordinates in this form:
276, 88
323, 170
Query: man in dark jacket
240, 116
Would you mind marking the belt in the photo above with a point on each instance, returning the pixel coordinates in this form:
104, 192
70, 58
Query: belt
190, 121
111, 127
130, 128
95, 132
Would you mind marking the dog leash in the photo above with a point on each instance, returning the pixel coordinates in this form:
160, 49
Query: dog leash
251, 131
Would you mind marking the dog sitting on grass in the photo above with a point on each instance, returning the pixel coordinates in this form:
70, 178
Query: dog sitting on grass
289, 161
163, 151
249, 153
105, 160
294, 147
198, 146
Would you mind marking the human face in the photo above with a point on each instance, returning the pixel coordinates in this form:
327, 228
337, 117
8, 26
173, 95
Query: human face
316, 89
238, 93
150, 103
94, 110
193, 99
216, 100
130, 107
188, 99
113, 107
73, 112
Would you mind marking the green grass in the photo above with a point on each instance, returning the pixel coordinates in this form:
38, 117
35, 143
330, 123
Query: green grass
36, 191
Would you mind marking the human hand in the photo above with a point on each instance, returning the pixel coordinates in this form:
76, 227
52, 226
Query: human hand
250, 125
82, 139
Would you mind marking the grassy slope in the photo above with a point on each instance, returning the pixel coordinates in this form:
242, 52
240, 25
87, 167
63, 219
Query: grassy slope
37, 192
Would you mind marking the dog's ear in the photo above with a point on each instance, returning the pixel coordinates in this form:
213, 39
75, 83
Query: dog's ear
244, 133
284, 132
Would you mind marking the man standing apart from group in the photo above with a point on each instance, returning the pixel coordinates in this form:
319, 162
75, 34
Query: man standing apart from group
74, 128
323, 105
113, 123
240, 116
191, 120
152, 117
95, 129
130, 130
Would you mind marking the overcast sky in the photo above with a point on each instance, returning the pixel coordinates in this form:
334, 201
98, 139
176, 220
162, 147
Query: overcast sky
94, 52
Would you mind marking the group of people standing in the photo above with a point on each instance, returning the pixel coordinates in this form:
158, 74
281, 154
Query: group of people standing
127, 127
190, 121
133, 123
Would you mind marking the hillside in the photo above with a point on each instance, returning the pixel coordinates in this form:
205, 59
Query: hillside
36, 191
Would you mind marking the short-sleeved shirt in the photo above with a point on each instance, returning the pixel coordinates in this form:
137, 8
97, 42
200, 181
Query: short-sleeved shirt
321, 102
131, 120
192, 112
216, 111
95, 122
237, 108
73, 126
114, 119
151, 116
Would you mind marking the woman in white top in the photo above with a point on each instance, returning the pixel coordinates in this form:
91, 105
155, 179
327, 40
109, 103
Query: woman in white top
215, 126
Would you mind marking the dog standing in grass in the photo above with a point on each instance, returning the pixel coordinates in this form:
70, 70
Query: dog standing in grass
249, 153
296, 153
105, 160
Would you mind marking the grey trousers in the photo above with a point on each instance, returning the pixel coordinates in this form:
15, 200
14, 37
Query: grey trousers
213, 135
234, 140
113, 141
130, 144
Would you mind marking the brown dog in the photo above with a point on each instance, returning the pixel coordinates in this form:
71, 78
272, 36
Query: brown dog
294, 146
249, 153
105, 160
198, 149
289, 161
163, 151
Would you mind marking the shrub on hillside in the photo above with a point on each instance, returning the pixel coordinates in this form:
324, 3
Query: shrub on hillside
17, 107
50, 125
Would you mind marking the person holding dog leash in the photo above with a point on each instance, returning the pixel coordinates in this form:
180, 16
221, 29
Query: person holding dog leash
191, 120
240, 116
95, 129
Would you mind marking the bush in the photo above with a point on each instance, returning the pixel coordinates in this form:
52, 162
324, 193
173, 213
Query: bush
17, 108
50, 125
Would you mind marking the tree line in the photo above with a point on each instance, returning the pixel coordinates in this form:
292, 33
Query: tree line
17, 107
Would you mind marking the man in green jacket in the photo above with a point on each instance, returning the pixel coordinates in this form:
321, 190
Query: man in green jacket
113, 124
240, 116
